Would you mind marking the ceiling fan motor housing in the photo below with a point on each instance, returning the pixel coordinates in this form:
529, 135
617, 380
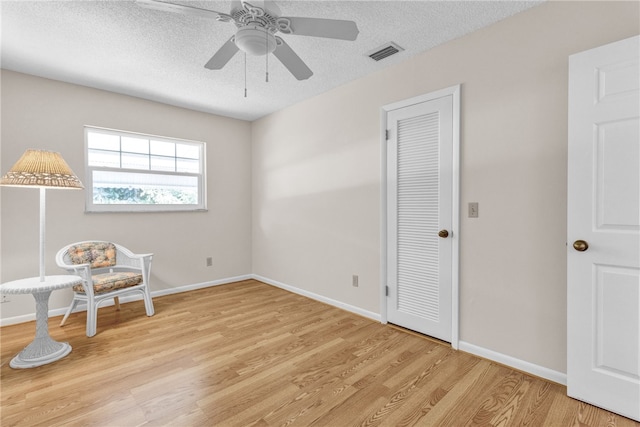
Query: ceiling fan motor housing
255, 40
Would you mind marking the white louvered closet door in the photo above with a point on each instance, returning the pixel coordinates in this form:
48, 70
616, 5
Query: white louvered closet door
419, 207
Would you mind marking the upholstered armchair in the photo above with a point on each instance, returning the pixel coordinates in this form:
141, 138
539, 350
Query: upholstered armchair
108, 271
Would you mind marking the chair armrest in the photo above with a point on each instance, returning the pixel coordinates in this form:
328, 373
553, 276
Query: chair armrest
133, 261
141, 255
76, 267
84, 271
127, 258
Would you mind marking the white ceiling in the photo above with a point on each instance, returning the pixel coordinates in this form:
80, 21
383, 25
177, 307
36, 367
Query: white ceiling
119, 46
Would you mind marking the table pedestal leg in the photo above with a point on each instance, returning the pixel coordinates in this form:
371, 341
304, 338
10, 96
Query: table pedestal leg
43, 349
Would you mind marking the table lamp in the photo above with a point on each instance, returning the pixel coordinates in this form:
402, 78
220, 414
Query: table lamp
41, 169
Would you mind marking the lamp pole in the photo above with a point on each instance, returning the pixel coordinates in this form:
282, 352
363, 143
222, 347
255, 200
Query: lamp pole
42, 230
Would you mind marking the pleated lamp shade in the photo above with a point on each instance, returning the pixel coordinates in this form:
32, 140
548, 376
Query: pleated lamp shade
43, 169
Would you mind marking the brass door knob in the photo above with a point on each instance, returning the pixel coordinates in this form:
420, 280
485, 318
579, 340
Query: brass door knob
580, 245
443, 233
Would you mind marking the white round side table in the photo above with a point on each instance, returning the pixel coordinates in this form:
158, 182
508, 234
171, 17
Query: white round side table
43, 349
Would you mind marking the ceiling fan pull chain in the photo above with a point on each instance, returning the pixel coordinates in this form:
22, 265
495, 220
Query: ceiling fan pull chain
266, 49
245, 74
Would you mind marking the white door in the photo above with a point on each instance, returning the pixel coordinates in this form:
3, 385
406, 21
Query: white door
420, 213
603, 365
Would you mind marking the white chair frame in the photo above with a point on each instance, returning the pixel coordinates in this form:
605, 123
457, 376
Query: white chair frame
125, 261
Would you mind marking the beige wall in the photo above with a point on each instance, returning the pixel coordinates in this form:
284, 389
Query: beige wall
45, 114
316, 177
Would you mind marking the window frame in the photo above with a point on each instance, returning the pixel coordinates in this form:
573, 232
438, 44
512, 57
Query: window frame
91, 207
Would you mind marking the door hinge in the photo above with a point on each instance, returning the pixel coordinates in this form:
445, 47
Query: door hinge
387, 134
386, 290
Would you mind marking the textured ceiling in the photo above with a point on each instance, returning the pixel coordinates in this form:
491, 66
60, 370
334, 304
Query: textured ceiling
119, 46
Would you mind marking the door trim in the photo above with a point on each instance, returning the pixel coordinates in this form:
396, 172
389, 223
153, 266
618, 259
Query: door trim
454, 92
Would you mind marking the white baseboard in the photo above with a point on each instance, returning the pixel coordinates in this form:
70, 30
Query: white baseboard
187, 288
335, 303
25, 318
123, 300
512, 362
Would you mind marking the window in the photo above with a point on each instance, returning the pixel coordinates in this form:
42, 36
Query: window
130, 172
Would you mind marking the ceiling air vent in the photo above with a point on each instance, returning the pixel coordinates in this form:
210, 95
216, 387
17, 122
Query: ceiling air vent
384, 51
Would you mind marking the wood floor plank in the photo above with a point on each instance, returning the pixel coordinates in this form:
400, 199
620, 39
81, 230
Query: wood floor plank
534, 404
249, 354
500, 399
427, 388
309, 403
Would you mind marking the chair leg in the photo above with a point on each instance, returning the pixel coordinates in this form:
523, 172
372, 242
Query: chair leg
148, 302
92, 318
71, 308
116, 301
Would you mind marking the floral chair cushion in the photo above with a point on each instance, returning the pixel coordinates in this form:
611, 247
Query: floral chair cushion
111, 281
98, 254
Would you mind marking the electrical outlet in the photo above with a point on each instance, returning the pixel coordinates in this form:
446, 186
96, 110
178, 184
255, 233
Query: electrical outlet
209, 261
5, 298
354, 281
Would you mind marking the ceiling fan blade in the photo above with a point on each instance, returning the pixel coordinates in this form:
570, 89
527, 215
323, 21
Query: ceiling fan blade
183, 10
317, 27
291, 60
223, 55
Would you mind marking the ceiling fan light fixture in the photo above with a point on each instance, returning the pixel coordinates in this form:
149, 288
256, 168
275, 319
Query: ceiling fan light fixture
255, 40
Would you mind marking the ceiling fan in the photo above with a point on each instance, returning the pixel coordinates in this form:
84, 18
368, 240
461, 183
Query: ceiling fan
257, 28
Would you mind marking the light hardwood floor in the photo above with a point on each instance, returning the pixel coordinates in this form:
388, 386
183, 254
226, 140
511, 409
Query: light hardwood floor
248, 354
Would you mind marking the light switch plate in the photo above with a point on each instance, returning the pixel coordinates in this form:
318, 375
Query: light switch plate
473, 209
